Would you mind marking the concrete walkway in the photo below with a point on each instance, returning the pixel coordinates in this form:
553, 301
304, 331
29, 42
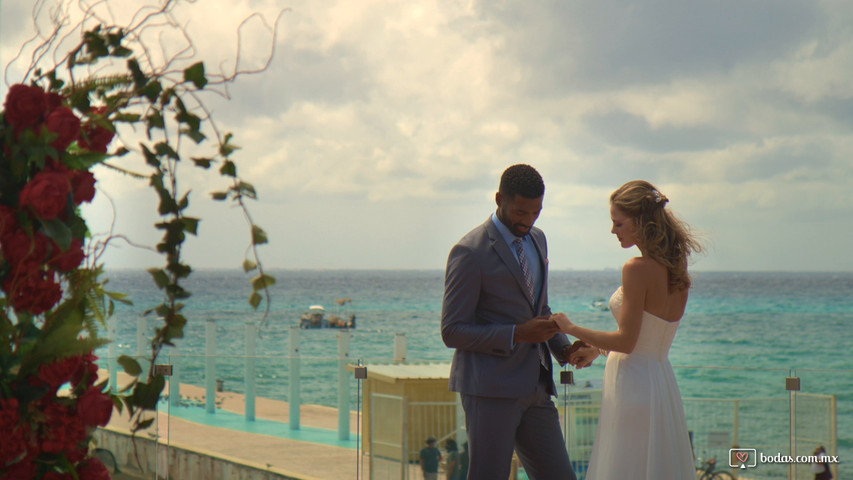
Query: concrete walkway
313, 452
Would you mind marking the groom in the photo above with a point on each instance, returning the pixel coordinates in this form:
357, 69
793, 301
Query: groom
496, 315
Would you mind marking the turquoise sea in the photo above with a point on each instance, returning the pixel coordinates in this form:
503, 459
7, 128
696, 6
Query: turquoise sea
743, 332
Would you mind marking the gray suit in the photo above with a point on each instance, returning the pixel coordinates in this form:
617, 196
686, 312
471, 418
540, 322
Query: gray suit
505, 391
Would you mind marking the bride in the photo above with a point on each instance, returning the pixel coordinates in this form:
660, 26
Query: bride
642, 432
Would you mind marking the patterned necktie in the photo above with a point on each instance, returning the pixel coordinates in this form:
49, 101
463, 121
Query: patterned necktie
522, 262
531, 291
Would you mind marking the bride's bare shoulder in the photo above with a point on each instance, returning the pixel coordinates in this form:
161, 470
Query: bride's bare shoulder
643, 266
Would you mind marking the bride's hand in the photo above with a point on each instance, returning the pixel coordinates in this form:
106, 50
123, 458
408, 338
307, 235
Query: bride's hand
563, 322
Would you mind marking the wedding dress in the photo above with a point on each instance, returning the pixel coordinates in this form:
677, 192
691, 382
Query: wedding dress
642, 432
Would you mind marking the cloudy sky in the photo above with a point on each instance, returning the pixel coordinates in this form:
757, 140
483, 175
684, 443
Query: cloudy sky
378, 133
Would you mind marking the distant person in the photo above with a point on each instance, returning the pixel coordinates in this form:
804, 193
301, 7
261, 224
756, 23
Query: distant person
642, 432
820, 466
452, 462
463, 462
430, 459
496, 315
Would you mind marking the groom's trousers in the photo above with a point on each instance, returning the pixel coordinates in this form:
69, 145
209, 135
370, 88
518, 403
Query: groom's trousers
530, 425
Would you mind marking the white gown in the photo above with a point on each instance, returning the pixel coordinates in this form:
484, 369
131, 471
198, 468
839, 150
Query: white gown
642, 433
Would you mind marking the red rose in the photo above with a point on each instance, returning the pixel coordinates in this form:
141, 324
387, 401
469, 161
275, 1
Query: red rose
53, 100
95, 407
88, 371
95, 138
93, 469
83, 186
56, 373
15, 432
78, 455
25, 106
63, 122
8, 220
25, 468
23, 252
35, 292
46, 194
67, 260
62, 430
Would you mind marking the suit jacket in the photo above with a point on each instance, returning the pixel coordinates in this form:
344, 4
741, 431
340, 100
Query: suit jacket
484, 297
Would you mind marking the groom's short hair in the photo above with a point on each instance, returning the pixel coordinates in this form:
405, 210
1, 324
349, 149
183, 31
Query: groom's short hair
521, 180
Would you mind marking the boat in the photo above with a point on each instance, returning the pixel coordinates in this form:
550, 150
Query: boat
315, 317
601, 304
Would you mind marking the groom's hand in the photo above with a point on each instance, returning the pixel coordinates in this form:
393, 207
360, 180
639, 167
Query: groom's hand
535, 330
583, 356
569, 350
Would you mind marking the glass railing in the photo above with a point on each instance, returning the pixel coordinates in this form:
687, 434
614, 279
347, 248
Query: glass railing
354, 426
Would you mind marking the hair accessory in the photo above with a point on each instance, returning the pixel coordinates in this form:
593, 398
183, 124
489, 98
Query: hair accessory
657, 196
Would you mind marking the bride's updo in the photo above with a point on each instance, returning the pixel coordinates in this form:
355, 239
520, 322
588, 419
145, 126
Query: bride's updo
660, 234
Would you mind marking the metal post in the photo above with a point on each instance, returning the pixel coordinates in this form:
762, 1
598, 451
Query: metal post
251, 376
360, 373
141, 343
792, 384
404, 462
400, 348
371, 428
112, 361
294, 377
210, 366
567, 377
833, 431
175, 379
343, 385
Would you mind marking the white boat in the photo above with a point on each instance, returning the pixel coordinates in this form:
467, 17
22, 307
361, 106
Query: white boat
315, 317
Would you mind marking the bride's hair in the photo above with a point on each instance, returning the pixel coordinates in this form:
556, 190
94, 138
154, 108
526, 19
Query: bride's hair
660, 234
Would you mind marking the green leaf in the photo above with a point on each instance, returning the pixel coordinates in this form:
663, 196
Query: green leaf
164, 149
202, 162
255, 300
127, 117
155, 120
195, 74
196, 135
160, 277
139, 78
122, 52
191, 225
58, 231
249, 265
227, 148
247, 189
152, 90
219, 195
142, 425
262, 281
130, 365
184, 202
259, 236
119, 297
228, 168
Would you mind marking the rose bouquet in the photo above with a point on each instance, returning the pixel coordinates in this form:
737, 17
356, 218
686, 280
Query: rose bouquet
55, 129
50, 298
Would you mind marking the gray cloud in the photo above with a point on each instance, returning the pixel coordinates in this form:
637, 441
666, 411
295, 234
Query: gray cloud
613, 43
